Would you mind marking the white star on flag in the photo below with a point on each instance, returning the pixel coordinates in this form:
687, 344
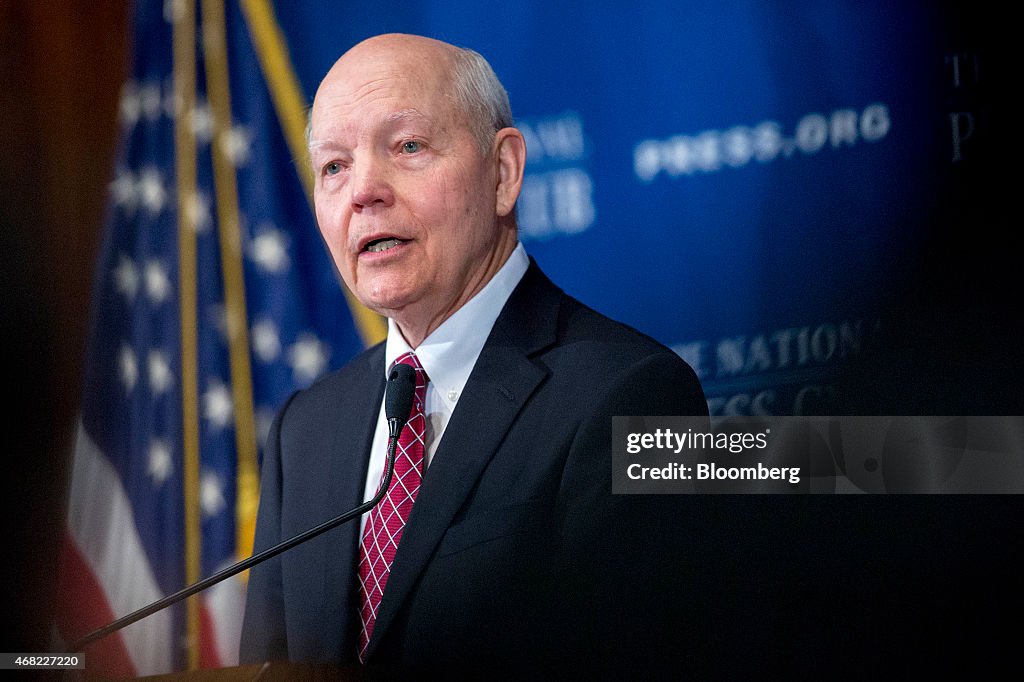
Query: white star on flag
235, 143
123, 190
268, 249
266, 342
151, 192
126, 278
159, 461
160, 377
217, 405
211, 494
202, 122
129, 367
197, 207
307, 357
129, 107
158, 284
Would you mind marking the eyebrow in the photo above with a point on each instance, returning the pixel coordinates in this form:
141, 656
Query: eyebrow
403, 116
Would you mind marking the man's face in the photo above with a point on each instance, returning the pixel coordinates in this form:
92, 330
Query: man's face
404, 196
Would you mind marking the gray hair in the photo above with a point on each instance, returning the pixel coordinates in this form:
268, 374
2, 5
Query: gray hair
481, 95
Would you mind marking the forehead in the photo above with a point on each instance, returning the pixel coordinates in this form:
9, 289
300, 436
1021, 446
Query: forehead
371, 90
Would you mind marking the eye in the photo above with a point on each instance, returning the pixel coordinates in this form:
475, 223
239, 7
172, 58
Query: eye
411, 147
333, 168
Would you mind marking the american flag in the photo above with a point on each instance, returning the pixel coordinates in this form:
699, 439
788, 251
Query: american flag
214, 299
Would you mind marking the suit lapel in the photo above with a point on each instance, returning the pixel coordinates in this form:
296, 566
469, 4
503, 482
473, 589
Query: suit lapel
502, 380
349, 458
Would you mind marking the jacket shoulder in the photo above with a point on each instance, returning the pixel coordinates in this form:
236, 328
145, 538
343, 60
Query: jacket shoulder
614, 359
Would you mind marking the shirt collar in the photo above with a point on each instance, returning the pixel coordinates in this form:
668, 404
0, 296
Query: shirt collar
450, 352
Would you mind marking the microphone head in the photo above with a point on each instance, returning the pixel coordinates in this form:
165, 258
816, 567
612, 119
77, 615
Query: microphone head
398, 394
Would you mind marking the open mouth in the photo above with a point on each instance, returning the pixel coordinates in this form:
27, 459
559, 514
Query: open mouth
380, 245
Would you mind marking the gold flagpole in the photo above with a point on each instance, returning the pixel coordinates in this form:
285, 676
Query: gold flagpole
230, 232
185, 171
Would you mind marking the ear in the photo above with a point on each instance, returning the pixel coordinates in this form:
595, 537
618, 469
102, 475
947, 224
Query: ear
511, 160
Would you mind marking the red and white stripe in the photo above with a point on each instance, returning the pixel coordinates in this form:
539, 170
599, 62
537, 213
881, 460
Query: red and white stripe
106, 574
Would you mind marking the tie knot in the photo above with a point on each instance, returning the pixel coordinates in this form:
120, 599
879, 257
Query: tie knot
414, 362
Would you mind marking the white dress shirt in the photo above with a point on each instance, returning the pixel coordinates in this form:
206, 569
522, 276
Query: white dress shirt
448, 356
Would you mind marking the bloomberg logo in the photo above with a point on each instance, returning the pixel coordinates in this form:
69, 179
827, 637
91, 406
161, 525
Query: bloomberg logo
713, 150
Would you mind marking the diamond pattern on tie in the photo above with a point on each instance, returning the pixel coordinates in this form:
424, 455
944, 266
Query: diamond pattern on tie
387, 520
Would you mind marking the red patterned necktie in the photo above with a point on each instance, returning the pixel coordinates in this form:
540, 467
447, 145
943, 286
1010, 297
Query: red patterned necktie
387, 520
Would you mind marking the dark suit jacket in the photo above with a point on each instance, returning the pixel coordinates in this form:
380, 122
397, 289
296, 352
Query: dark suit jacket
516, 552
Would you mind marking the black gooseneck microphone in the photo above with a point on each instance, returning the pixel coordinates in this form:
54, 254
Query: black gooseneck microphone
398, 396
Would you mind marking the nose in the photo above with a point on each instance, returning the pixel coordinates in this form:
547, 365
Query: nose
371, 186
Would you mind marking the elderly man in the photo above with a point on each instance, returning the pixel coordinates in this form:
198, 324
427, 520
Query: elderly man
499, 538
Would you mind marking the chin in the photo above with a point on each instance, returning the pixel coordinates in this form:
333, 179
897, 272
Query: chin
386, 303
386, 291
